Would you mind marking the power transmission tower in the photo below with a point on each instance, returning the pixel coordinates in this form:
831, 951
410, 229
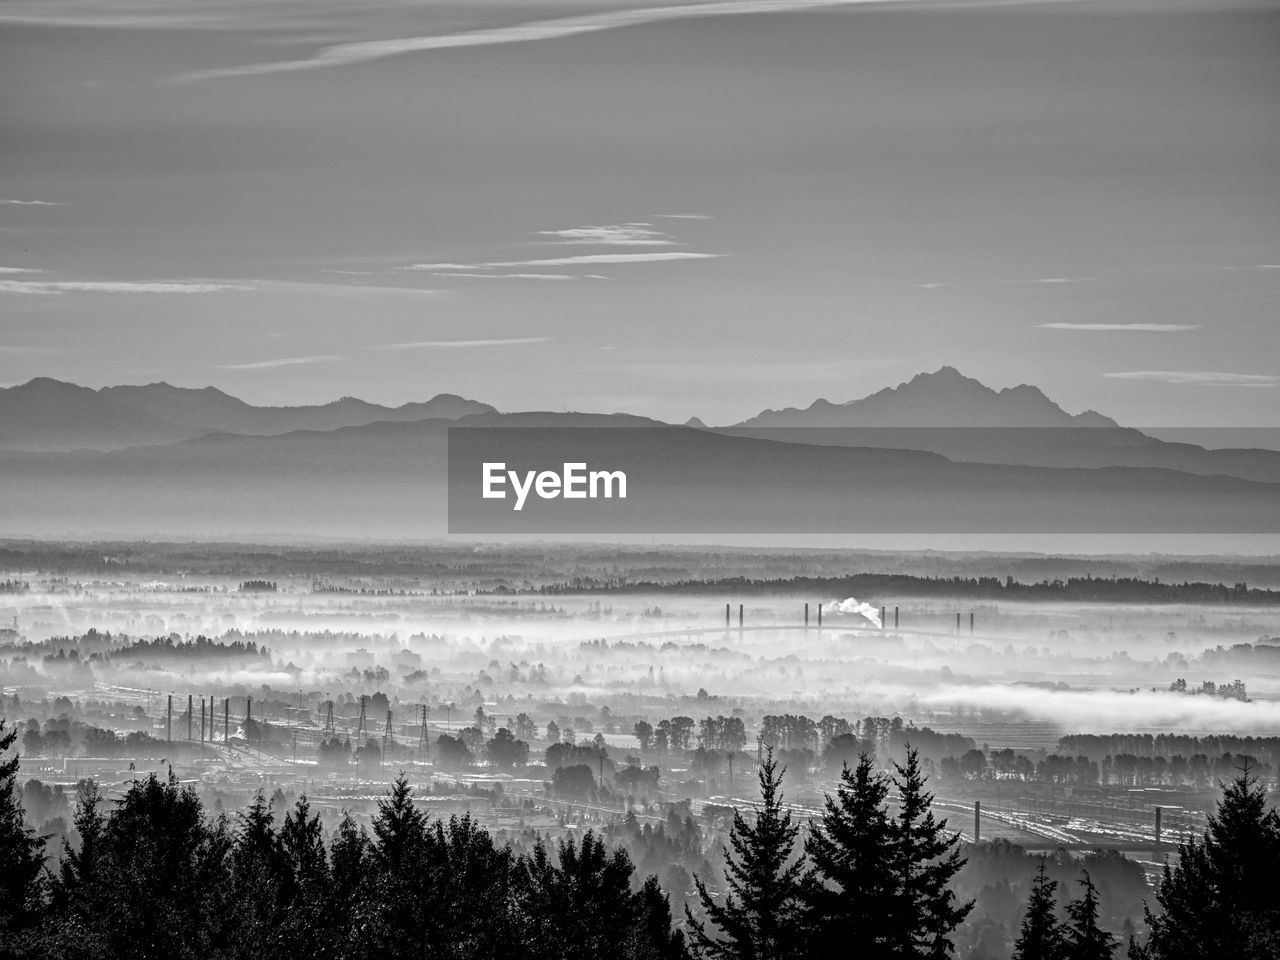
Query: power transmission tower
386, 735
328, 718
360, 724
423, 738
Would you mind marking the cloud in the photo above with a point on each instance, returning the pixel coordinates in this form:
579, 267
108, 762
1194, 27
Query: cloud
568, 261
621, 234
47, 287
1063, 280
31, 203
19, 270
1121, 327
344, 54
1210, 378
282, 362
461, 344
26, 351
508, 276
686, 216
1100, 711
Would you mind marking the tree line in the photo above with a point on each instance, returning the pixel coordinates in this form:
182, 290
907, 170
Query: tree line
1125, 769
873, 876
1080, 589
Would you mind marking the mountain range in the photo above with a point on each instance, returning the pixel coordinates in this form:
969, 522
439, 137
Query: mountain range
163, 460
46, 414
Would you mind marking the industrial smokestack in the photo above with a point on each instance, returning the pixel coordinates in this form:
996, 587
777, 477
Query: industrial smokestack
806, 614
895, 618
977, 820
971, 624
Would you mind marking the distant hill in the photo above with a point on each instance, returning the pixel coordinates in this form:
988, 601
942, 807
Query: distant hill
389, 480
944, 398
45, 414
960, 418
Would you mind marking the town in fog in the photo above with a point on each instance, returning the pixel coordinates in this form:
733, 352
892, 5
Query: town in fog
554, 689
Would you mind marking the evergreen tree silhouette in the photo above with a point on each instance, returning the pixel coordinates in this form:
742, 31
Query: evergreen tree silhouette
658, 941
399, 830
1085, 940
21, 853
925, 910
762, 914
580, 903
1041, 936
851, 888
1218, 899
80, 866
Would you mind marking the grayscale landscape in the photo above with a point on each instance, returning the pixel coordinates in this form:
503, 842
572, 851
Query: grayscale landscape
918, 593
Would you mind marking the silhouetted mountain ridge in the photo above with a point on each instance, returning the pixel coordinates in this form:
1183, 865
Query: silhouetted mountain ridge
48, 414
944, 398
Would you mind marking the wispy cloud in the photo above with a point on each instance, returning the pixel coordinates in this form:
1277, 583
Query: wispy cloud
686, 216
19, 270
344, 54
31, 203
13, 350
1123, 327
506, 276
281, 362
50, 287
1210, 378
584, 259
461, 344
619, 234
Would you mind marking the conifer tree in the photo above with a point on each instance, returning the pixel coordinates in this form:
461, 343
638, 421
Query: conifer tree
396, 917
399, 829
79, 867
21, 851
1085, 940
1218, 899
762, 914
580, 901
925, 910
1041, 936
302, 843
659, 940
849, 893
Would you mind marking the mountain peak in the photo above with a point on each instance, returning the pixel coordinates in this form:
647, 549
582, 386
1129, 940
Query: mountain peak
943, 398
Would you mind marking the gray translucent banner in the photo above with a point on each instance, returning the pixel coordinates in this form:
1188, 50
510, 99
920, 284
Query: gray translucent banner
665, 480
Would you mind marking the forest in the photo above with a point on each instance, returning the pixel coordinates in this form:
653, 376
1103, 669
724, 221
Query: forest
152, 874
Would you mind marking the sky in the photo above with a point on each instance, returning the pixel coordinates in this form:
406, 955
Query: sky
666, 209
